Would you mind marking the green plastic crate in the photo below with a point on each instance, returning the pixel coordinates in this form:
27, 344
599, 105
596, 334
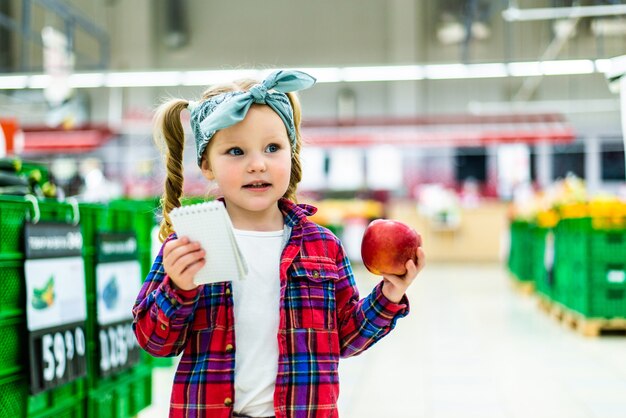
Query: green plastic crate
520, 256
13, 212
145, 261
101, 404
110, 400
134, 215
140, 389
65, 396
55, 211
75, 410
93, 219
13, 350
13, 396
16, 210
16, 403
608, 245
13, 294
591, 273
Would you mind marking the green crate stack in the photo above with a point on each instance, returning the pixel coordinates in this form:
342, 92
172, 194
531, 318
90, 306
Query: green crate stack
140, 389
571, 260
113, 398
14, 346
544, 249
14, 211
520, 258
592, 269
139, 216
134, 215
93, 219
15, 400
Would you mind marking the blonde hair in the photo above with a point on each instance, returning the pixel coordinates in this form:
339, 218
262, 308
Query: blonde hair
169, 137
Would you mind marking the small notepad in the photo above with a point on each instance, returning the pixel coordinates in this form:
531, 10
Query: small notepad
209, 224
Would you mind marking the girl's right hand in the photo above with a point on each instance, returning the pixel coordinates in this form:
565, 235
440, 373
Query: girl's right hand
182, 260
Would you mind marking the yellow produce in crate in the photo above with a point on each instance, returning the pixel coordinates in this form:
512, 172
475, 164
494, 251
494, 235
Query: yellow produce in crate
574, 210
547, 219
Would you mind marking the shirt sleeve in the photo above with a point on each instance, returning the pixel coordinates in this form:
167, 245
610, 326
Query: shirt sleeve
361, 323
162, 315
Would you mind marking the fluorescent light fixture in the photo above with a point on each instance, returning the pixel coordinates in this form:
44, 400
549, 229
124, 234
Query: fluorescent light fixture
13, 82
382, 73
445, 71
39, 81
87, 80
564, 67
524, 69
208, 77
603, 65
461, 71
143, 79
486, 70
322, 74
547, 13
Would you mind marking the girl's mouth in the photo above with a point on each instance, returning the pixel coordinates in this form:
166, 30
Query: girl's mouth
257, 186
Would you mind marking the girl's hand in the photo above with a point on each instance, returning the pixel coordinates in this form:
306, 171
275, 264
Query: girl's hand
394, 287
182, 260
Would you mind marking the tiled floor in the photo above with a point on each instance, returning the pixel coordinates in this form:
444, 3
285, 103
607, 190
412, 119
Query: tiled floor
472, 347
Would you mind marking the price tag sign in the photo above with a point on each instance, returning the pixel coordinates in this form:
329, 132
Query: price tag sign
56, 305
118, 280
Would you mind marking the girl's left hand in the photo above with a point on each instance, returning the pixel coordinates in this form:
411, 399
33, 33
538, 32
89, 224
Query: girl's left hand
394, 287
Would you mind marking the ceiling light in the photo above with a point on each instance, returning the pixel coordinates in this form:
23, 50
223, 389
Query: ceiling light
12, 82
143, 79
382, 73
564, 67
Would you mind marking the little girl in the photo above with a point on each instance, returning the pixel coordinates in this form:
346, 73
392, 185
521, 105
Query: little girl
268, 345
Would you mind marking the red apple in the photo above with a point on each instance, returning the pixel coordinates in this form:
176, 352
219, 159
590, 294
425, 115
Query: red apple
387, 245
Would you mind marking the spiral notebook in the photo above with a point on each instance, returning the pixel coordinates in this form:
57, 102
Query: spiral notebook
209, 224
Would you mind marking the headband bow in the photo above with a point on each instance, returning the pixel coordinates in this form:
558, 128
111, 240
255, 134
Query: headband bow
228, 109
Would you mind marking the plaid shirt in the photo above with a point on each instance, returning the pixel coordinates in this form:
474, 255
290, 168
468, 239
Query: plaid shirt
321, 320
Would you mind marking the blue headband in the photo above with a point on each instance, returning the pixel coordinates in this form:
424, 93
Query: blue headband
228, 109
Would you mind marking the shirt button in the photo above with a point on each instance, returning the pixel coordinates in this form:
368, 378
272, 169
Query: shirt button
228, 402
163, 327
228, 291
316, 274
229, 348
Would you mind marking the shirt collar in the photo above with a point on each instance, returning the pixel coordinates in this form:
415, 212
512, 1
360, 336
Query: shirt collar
295, 213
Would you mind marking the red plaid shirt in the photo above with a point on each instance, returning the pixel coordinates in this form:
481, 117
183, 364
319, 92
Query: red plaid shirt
321, 320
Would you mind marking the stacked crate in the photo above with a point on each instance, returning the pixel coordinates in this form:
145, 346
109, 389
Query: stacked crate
592, 267
578, 260
120, 396
15, 400
138, 216
127, 392
519, 262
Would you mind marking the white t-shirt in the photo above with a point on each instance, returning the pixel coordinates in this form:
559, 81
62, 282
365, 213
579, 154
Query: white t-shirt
256, 306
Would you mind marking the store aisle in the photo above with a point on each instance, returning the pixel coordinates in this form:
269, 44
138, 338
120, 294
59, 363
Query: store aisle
472, 347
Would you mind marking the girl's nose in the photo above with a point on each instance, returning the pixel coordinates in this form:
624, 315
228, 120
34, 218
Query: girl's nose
256, 164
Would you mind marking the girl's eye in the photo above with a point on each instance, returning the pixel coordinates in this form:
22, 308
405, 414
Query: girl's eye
272, 148
235, 151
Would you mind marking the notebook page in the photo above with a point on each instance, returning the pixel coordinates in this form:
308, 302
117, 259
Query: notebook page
209, 224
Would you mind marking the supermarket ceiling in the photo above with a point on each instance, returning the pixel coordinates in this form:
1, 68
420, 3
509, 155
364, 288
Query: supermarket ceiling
401, 57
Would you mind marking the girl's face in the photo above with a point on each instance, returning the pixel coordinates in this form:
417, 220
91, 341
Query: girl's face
251, 163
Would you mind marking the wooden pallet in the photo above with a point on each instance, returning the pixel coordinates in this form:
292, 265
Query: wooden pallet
523, 287
589, 327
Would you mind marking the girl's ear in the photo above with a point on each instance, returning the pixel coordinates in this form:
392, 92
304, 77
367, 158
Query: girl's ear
206, 170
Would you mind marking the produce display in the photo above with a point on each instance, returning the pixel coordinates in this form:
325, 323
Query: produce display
19, 178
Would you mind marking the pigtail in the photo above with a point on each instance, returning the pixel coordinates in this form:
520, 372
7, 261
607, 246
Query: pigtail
296, 166
170, 139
